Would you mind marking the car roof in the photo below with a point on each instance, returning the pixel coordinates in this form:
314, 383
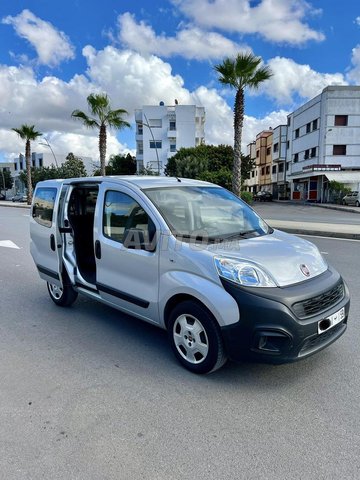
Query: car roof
139, 181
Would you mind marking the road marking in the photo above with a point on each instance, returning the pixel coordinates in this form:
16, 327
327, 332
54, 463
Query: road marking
325, 253
8, 244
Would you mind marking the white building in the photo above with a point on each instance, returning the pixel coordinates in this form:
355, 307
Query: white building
324, 143
162, 130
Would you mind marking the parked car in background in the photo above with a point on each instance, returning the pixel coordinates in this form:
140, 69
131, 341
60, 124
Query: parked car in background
2, 196
263, 196
352, 198
19, 197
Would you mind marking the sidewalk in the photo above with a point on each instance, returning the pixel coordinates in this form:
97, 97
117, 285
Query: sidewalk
305, 228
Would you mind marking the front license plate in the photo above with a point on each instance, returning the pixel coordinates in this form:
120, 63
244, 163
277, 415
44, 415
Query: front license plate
333, 320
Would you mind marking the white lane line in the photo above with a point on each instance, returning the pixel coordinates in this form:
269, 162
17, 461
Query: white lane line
8, 244
325, 253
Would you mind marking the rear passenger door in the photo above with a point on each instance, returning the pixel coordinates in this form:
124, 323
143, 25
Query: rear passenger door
127, 256
45, 239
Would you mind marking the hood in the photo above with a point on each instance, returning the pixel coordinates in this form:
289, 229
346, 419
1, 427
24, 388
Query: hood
287, 258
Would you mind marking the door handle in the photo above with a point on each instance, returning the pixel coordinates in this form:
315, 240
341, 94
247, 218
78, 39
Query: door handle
98, 249
52, 242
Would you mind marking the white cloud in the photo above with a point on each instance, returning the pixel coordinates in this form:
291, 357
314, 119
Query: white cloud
357, 20
189, 42
52, 46
275, 20
354, 73
291, 79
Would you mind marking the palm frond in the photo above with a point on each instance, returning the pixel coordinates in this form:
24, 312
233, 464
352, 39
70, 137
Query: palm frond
89, 122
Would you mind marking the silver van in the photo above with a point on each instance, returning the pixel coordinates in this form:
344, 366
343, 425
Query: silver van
192, 258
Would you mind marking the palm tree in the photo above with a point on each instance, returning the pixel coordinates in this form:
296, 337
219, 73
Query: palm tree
29, 134
242, 72
102, 117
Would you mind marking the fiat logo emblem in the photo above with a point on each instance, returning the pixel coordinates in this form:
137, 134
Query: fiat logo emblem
304, 270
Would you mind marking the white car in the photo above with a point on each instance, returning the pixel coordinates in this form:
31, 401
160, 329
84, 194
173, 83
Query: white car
352, 198
191, 258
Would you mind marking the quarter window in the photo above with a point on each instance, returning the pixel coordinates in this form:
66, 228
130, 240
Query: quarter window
43, 206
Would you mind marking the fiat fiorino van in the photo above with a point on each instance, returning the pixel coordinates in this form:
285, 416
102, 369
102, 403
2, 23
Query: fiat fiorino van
192, 258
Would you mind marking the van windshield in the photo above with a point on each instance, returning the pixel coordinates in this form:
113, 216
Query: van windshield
206, 213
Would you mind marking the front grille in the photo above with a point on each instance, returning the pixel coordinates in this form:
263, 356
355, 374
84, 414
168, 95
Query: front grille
313, 306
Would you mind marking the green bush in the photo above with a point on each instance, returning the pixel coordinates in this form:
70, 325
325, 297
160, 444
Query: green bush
247, 197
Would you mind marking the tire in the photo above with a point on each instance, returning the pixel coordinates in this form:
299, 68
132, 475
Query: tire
357, 203
195, 338
63, 297
343, 202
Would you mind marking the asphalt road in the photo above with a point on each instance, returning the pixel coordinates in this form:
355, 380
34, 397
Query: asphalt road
88, 393
305, 213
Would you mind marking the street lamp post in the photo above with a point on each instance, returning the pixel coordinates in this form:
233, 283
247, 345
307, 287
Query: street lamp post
152, 135
47, 144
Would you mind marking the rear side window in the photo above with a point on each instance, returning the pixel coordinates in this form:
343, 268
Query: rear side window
43, 206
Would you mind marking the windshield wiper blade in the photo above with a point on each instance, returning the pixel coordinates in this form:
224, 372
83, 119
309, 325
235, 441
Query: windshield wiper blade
237, 234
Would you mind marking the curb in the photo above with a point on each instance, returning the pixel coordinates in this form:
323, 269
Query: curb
14, 204
320, 233
321, 205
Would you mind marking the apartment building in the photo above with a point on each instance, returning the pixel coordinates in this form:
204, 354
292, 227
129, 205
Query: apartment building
162, 130
320, 143
324, 143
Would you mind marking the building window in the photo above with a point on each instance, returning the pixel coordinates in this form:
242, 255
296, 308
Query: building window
339, 149
296, 157
315, 125
341, 120
297, 133
289, 121
306, 154
274, 169
313, 152
281, 167
268, 151
172, 125
308, 127
15, 166
33, 163
40, 162
252, 174
263, 171
257, 153
139, 128
155, 144
172, 147
287, 167
276, 147
21, 165
155, 122
268, 170
288, 145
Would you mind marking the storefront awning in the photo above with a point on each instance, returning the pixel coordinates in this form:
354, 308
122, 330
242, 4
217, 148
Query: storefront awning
343, 177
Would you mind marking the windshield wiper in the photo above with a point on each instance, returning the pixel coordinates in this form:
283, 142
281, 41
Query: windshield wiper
237, 234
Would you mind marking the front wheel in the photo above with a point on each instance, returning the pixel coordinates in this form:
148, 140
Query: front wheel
195, 338
62, 296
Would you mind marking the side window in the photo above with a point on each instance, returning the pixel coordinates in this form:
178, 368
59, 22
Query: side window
121, 214
43, 206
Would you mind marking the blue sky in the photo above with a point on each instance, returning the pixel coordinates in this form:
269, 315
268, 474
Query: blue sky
53, 54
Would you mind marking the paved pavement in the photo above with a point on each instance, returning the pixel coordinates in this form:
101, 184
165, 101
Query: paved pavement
323, 220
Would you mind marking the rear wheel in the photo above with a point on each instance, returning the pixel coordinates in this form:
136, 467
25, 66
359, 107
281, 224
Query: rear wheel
357, 203
62, 296
195, 338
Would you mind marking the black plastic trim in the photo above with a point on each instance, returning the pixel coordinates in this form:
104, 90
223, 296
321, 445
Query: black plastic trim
123, 296
48, 272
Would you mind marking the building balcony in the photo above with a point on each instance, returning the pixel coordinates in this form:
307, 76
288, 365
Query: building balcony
171, 133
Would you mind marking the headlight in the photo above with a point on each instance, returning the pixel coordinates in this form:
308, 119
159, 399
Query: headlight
243, 272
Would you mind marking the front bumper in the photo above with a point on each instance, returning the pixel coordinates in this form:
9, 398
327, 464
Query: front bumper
269, 330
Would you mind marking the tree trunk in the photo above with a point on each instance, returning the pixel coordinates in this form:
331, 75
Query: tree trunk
238, 125
102, 148
28, 172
